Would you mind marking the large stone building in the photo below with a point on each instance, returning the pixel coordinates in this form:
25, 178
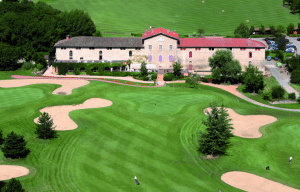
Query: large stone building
162, 48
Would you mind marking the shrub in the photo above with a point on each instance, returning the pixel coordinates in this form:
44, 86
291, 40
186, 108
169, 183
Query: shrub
277, 92
295, 76
267, 96
292, 96
267, 53
39, 66
77, 71
27, 66
154, 76
205, 80
168, 78
298, 100
146, 78
170, 75
260, 92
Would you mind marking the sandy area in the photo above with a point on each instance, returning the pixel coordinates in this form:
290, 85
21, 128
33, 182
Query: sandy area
60, 114
12, 171
253, 183
67, 85
247, 126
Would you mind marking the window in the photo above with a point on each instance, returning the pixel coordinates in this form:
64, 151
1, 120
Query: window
137, 48
122, 48
150, 47
150, 58
71, 58
243, 49
109, 48
78, 48
250, 54
197, 49
160, 47
130, 53
230, 49
100, 55
190, 54
81, 58
170, 57
71, 53
170, 47
211, 49
160, 58
91, 48
63, 48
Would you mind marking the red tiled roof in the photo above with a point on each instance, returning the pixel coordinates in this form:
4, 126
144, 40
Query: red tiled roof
219, 42
160, 30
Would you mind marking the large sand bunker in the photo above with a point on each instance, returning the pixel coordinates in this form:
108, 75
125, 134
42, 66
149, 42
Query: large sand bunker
67, 85
60, 114
12, 171
247, 126
253, 183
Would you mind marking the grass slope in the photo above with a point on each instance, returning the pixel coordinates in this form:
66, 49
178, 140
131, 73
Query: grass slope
156, 143
133, 16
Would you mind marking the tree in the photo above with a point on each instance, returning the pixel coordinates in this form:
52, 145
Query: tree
13, 185
293, 63
223, 66
1, 137
14, 146
10, 1
201, 31
272, 29
45, 129
97, 34
281, 28
193, 80
281, 43
144, 70
251, 30
290, 28
242, 31
2, 184
295, 76
216, 140
177, 69
262, 29
253, 78
9, 57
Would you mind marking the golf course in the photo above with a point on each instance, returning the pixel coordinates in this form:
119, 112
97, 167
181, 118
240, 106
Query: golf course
148, 132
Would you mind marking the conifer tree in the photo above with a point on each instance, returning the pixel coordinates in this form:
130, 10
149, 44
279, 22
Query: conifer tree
44, 128
13, 185
1, 137
216, 140
14, 146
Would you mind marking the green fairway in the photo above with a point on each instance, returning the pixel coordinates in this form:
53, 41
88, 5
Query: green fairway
8, 74
135, 137
133, 16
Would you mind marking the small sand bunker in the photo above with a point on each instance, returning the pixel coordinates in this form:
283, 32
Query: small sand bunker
60, 114
253, 183
67, 85
247, 126
12, 171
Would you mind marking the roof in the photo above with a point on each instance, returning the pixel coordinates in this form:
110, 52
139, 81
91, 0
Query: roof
219, 42
91, 41
160, 31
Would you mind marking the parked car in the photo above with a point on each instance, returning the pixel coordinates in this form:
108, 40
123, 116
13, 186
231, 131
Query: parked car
290, 46
276, 58
269, 58
290, 50
298, 39
286, 40
268, 38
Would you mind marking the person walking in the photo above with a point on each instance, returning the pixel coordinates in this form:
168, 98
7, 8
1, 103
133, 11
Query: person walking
291, 158
136, 181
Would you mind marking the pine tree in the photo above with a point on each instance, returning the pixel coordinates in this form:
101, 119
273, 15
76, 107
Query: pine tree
1, 137
44, 128
13, 185
216, 140
14, 146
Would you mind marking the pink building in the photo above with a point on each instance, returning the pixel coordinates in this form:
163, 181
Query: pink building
159, 48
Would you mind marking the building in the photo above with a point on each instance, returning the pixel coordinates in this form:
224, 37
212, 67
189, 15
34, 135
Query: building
162, 48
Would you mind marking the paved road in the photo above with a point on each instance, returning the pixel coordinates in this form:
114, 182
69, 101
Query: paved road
271, 65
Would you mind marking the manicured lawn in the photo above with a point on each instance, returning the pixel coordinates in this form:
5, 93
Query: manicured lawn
296, 87
156, 143
8, 74
133, 16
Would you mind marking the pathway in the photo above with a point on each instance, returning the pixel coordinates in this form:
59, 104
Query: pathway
284, 82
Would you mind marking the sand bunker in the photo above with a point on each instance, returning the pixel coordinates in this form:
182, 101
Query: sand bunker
60, 114
247, 126
12, 171
67, 85
253, 183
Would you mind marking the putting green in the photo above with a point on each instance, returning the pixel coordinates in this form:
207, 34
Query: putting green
164, 104
19, 96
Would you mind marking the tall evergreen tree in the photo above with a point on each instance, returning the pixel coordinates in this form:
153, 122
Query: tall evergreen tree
216, 140
13, 185
45, 129
177, 69
144, 70
15, 146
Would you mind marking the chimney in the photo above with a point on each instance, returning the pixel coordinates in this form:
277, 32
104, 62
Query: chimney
146, 30
168, 30
67, 38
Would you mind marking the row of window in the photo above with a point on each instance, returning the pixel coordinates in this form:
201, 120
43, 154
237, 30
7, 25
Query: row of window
160, 48
108, 48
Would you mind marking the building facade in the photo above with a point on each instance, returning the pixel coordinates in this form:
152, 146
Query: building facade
159, 48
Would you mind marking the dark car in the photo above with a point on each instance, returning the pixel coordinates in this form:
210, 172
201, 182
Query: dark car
266, 39
298, 39
276, 58
286, 40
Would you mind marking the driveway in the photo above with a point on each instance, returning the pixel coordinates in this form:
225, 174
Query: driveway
271, 65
